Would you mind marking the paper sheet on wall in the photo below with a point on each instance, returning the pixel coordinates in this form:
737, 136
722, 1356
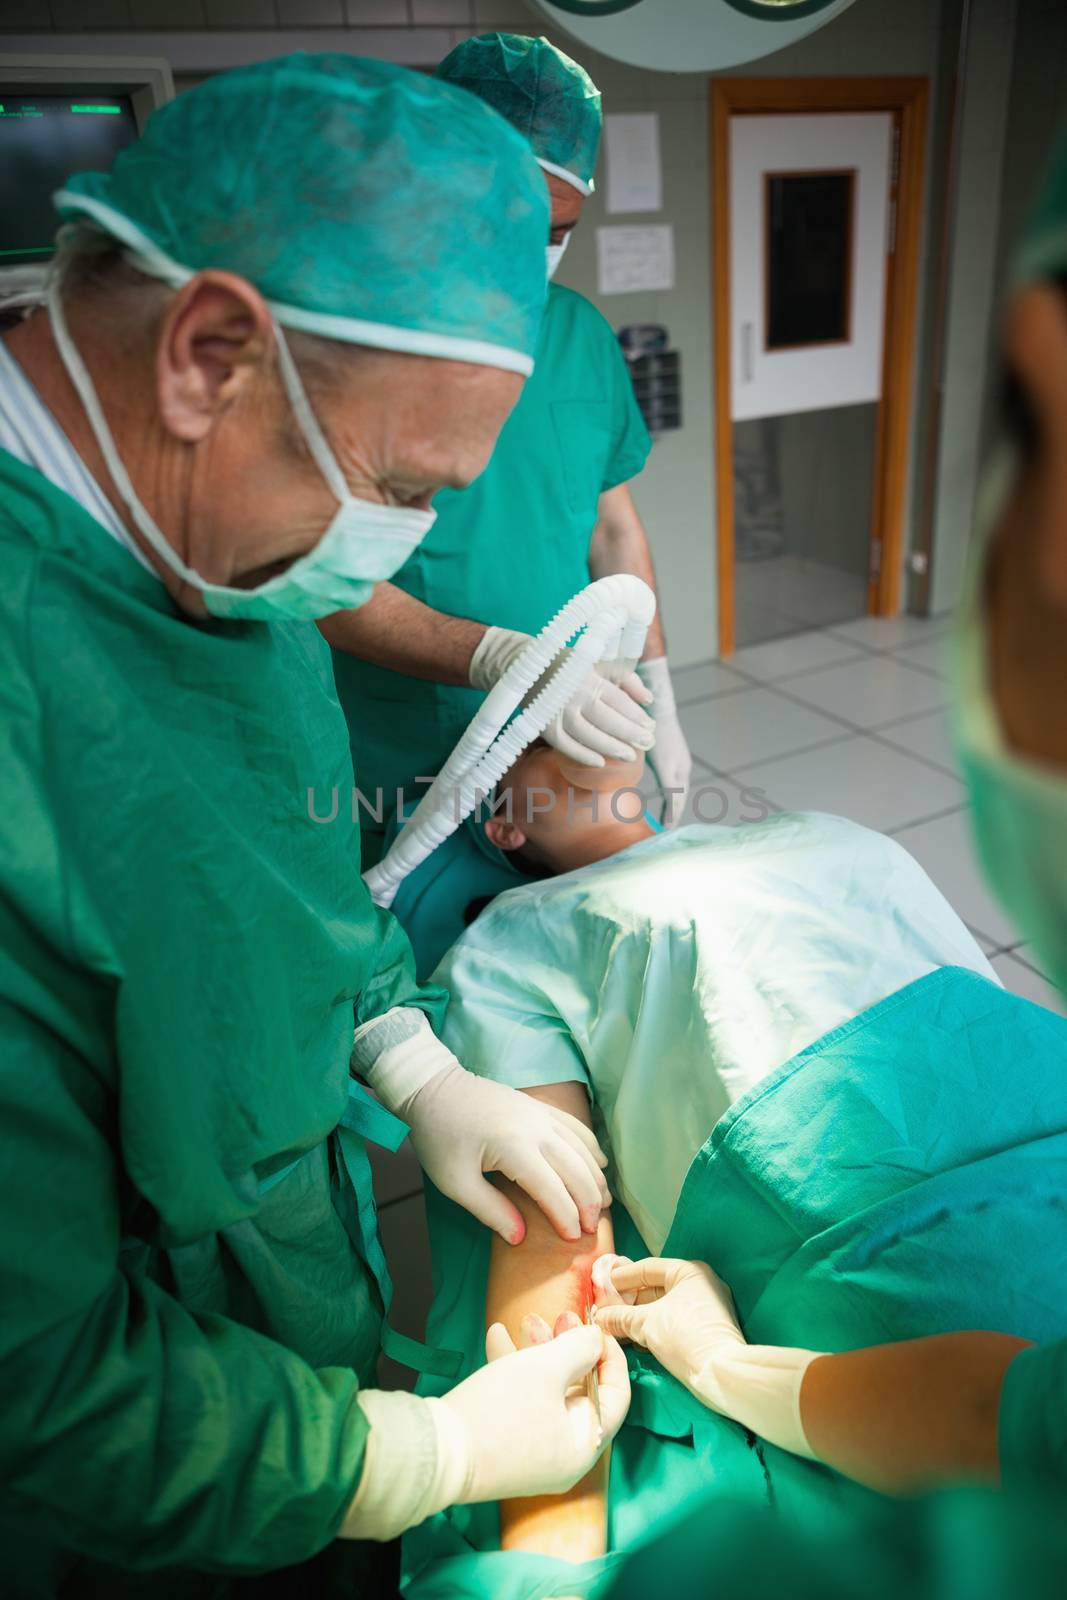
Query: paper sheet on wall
635, 176
630, 259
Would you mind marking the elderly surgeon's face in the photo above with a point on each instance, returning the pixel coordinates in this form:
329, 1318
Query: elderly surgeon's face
1026, 589
401, 427
203, 423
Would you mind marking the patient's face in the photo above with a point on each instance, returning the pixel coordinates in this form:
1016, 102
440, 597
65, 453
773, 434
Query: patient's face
561, 815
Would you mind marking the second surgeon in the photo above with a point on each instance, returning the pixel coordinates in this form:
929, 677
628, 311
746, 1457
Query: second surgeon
551, 510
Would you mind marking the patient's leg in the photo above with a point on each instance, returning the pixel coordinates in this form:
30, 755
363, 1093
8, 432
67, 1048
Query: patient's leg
545, 1276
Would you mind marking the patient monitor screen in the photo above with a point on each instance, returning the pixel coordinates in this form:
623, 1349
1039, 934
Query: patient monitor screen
43, 139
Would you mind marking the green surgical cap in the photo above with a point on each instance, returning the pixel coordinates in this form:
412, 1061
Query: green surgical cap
363, 201
549, 98
1042, 250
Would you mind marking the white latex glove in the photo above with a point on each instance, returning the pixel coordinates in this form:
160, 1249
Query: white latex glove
669, 757
602, 720
685, 1316
463, 1126
522, 1425
530, 1424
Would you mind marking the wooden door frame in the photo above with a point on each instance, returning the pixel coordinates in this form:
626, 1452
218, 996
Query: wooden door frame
906, 100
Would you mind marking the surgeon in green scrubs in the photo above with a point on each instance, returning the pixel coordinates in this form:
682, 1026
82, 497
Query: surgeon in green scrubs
228, 418
552, 510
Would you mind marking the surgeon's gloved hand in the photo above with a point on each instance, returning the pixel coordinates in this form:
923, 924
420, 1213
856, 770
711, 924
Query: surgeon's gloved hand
530, 1424
523, 1425
685, 1316
463, 1126
603, 720
669, 757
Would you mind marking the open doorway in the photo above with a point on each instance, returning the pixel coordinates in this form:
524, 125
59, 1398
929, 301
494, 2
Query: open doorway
817, 195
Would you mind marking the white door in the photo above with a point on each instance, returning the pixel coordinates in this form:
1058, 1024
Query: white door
809, 231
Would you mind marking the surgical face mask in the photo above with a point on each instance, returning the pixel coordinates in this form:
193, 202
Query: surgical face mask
554, 253
1019, 808
364, 543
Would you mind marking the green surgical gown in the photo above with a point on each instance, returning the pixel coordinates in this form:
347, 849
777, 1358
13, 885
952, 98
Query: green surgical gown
509, 550
188, 1246
960, 1544
1032, 1430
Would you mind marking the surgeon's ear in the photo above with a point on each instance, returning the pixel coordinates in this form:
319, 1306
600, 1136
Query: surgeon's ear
215, 339
504, 834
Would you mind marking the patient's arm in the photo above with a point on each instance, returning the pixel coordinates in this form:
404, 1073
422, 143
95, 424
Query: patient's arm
545, 1276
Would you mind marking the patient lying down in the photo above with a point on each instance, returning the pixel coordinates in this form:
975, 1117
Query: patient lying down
662, 977
667, 974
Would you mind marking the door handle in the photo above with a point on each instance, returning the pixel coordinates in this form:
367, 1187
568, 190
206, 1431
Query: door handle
747, 357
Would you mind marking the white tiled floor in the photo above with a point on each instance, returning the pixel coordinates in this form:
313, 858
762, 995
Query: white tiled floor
713, 678
849, 719
890, 633
782, 658
731, 731
856, 777
1015, 975
871, 691
926, 737
932, 654
944, 847
1027, 953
